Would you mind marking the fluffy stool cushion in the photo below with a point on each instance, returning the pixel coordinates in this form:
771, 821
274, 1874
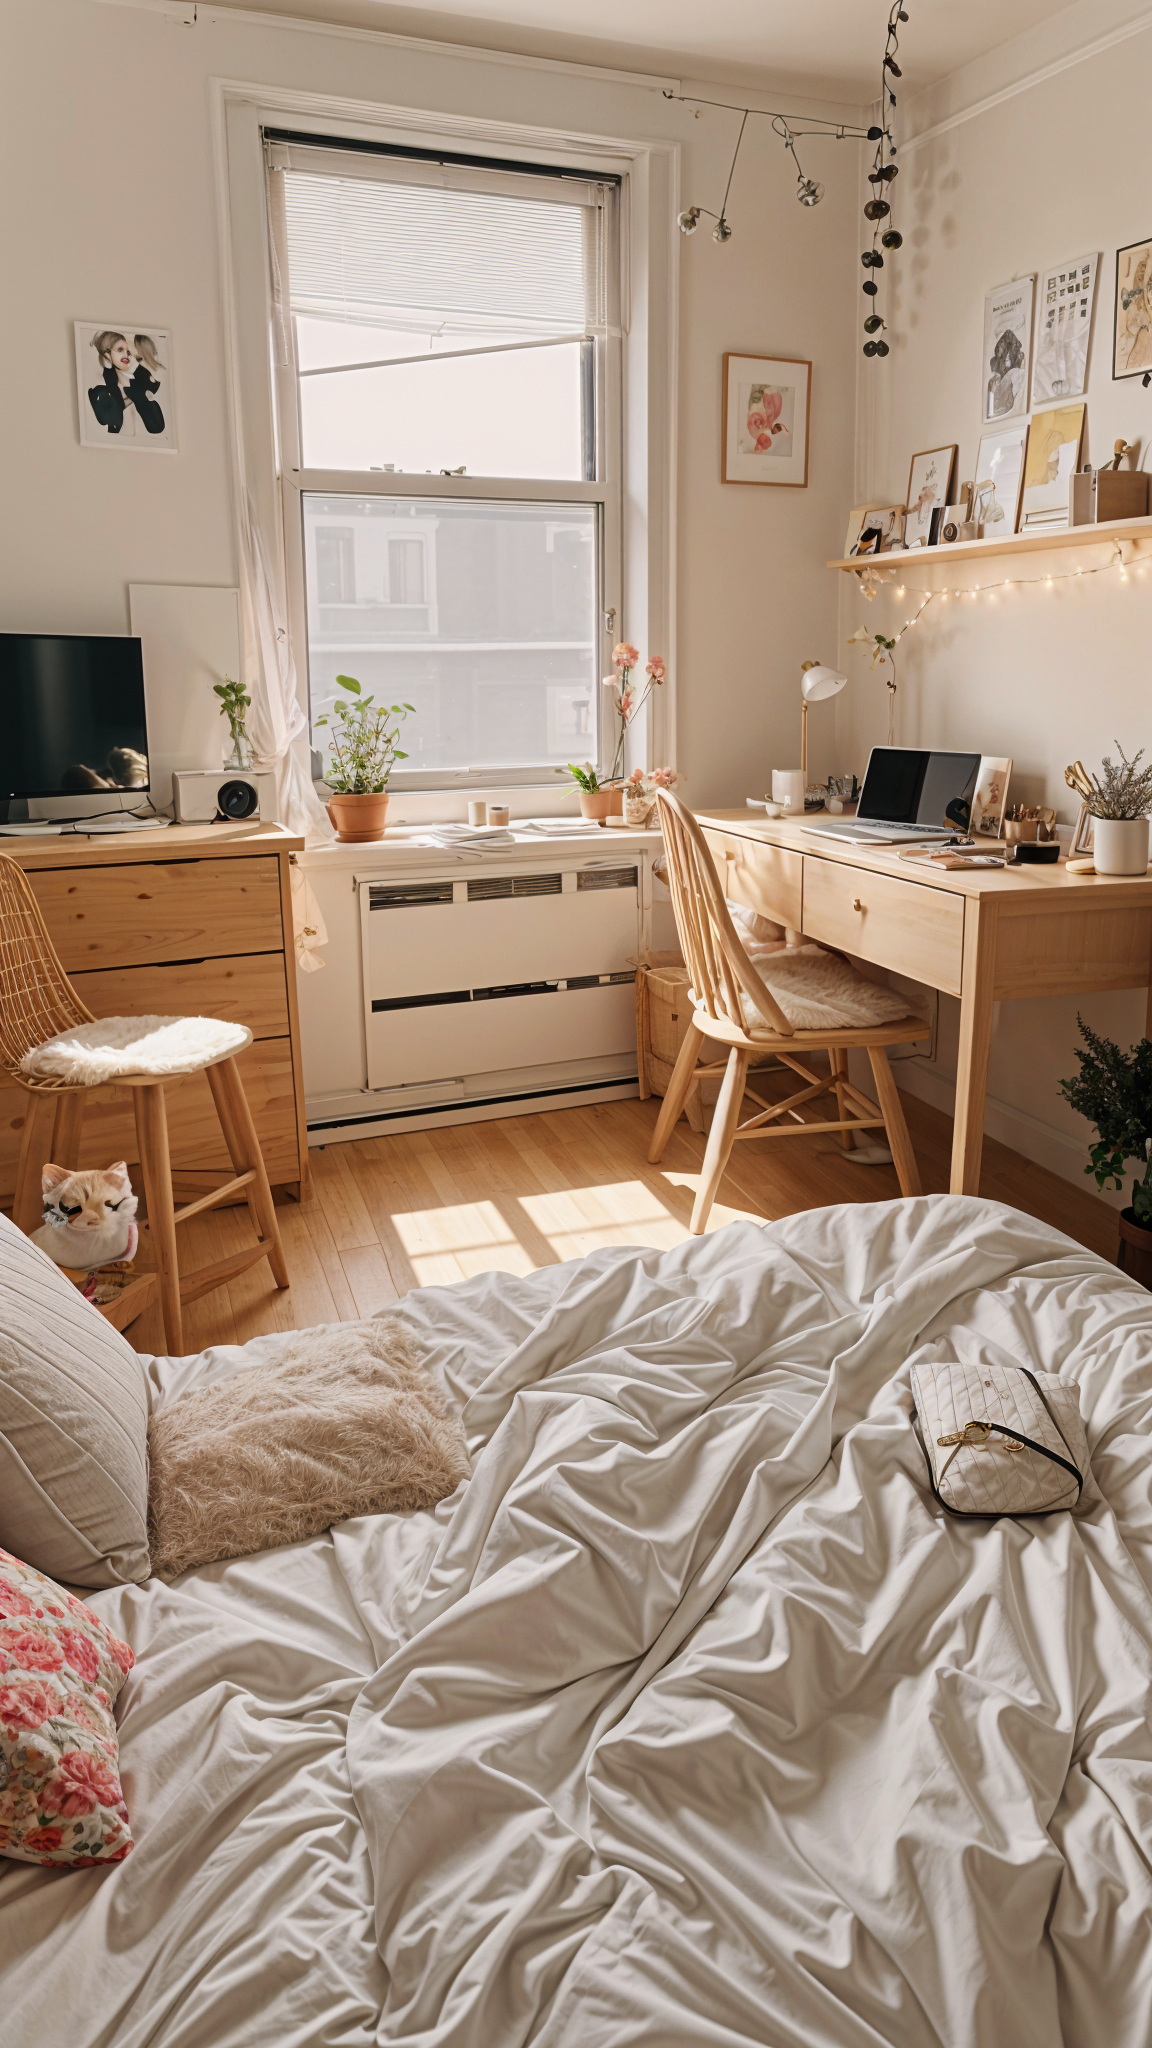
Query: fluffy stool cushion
91, 1053
347, 1421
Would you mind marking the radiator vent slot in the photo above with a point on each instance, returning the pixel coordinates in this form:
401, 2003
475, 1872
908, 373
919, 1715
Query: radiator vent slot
407, 895
493, 888
606, 878
603, 980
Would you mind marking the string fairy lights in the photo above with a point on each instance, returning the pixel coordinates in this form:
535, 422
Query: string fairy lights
871, 579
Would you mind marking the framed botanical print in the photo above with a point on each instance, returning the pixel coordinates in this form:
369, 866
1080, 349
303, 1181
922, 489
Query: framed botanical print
929, 483
1132, 314
765, 431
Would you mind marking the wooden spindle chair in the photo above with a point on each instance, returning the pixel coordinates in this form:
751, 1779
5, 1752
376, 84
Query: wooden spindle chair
721, 972
37, 1003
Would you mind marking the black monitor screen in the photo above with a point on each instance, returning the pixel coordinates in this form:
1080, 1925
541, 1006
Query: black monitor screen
917, 786
71, 714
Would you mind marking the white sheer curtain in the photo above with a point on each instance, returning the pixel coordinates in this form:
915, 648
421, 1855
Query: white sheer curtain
276, 718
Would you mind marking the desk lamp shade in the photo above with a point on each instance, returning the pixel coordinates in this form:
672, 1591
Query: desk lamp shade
817, 681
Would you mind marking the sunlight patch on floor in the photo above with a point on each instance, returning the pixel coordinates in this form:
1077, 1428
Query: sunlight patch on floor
578, 1220
720, 1214
452, 1243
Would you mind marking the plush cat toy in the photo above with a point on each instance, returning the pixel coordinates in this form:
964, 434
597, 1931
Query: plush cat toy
88, 1217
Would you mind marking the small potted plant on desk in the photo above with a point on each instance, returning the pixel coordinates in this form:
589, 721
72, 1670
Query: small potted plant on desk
1119, 800
364, 752
1114, 1091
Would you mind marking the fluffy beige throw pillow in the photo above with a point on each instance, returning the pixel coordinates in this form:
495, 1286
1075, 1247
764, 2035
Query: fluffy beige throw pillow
346, 1422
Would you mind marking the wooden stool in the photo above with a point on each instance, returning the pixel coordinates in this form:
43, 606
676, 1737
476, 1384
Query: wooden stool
37, 1004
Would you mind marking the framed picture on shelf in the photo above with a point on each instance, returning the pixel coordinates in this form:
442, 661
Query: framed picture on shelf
124, 387
929, 483
991, 796
1007, 348
1063, 329
890, 520
860, 517
1132, 311
765, 431
1000, 463
1052, 457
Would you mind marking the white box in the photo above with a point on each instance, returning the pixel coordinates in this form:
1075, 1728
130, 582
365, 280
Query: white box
197, 793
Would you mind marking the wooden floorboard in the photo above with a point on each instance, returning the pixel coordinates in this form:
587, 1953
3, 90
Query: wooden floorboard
431, 1207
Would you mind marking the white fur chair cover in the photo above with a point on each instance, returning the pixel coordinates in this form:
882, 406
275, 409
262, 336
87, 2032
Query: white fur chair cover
90, 1054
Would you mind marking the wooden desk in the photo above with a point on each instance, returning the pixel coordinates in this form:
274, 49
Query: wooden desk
1035, 931
192, 921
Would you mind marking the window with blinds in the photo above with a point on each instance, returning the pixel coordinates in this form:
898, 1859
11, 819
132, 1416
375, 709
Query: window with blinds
447, 338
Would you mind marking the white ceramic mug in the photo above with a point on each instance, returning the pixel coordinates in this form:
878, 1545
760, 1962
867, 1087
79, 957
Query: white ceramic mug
788, 788
477, 812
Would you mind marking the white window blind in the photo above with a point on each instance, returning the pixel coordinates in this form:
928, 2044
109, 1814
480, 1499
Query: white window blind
439, 249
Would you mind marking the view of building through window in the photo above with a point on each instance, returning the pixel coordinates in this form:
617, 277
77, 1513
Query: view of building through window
479, 614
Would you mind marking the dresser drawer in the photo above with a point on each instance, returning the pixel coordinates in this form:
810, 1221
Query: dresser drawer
148, 911
912, 929
244, 988
767, 879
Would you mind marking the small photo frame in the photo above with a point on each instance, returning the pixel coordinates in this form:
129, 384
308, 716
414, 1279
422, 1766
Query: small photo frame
1051, 461
859, 517
991, 798
125, 386
1082, 834
765, 430
1132, 311
929, 486
890, 520
1000, 462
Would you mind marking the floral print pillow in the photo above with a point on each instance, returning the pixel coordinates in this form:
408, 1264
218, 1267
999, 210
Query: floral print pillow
60, 1671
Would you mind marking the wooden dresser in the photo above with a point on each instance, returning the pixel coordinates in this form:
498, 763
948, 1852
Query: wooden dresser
192, 921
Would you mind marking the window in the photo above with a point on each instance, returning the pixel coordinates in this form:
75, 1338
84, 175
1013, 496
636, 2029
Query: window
448, 380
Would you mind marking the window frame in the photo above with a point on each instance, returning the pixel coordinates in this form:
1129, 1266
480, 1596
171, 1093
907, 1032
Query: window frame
650, 251
604, 493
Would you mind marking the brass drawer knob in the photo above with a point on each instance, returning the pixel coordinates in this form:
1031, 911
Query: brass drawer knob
856, 903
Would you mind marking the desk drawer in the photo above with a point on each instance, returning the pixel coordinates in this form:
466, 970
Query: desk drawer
245, 988
905, 926
148, 911
767, 879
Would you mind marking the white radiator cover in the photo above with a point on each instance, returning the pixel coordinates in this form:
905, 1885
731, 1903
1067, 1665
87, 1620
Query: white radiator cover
502, 968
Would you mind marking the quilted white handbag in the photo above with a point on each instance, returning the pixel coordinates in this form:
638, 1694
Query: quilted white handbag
999, 1439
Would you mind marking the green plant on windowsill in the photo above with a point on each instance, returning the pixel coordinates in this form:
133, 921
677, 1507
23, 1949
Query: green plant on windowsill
1114, 1091
364, 749
586, 777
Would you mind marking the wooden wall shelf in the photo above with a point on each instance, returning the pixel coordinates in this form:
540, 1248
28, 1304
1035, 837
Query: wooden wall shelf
1014, 544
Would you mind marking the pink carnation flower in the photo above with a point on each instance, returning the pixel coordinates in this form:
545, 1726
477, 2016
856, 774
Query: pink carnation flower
27, 1705
41, 1841
29, 1650
656, 668
12, 1600
80, 1783
81, 1653
625, 655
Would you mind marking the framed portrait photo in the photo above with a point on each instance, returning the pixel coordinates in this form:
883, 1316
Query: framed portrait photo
765, 432
929, 484
1132, 313
125, 386
991, 796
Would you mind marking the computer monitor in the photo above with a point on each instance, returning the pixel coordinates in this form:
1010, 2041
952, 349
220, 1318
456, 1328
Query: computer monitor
72, 717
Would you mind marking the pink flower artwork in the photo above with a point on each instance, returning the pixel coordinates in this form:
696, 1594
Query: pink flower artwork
28, 1705
78, 1784
30, 1650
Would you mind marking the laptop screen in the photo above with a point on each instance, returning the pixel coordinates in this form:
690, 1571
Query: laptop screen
913, 786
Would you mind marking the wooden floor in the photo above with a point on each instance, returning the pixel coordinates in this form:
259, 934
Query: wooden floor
387, 1214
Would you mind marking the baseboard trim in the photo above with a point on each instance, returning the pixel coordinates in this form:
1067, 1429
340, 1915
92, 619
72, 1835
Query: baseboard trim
1045, 1146
376, 1123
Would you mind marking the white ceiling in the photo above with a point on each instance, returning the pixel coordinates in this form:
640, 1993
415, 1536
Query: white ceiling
827, 47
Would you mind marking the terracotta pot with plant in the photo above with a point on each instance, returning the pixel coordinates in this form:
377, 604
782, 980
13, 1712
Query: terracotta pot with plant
1114, 1091
364, 752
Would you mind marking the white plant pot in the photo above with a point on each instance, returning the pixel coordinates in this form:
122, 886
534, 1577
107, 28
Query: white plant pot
788, 788
1120, 845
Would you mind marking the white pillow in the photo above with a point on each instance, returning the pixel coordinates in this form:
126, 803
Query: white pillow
73, 1428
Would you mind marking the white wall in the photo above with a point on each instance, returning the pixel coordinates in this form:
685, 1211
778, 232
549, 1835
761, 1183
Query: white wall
1047, 676
107, 163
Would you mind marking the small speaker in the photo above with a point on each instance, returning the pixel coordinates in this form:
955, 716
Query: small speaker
204, 795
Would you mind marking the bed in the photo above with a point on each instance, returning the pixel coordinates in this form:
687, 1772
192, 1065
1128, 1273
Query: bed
689, 1718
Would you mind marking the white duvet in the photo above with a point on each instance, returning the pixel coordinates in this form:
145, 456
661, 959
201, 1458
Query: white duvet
691, 1719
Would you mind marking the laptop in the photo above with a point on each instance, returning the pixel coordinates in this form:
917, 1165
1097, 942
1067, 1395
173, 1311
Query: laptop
909, 794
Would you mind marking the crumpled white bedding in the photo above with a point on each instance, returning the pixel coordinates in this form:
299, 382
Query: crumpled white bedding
690, 1719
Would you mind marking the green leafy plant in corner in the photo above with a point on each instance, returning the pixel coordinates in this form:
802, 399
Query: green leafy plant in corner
364, 736
585, 776
1114, 1091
